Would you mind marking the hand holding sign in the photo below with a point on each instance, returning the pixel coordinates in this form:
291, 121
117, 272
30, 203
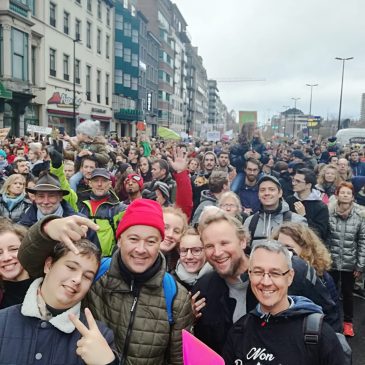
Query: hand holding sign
92, 347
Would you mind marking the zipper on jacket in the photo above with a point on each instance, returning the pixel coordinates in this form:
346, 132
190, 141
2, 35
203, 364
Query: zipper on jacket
130, 325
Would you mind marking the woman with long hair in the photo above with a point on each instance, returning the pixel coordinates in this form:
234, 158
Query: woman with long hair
13, 201
145, 168
346, 244
328, 181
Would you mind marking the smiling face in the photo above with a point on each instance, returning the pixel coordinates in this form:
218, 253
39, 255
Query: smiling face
192, 255
48, 202
100, 185
272, 293
68, 279
224, 249
10, 268
269, 195
330, 175
139, 247
174, 228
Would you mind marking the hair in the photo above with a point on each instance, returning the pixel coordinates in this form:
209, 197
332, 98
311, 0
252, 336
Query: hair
313, 250
10, 180
217, 180
223, 152
232, 195
18, 160
85, 247
309, 176
280, 166
88, 158
221, 216
273, 246
322, 172
254, 161
191, 231
345, 184
163, 165
179, 213
7, 225
69, 162
194, 159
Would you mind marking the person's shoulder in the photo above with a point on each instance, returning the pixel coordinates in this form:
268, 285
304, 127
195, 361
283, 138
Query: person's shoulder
205, 282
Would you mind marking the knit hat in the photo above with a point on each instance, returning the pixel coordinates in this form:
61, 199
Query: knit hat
135, 177
298, 154
142, 212
3, 153
270, 178
163, 188
89, 127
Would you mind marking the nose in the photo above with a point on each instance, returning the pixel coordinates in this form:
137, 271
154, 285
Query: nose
217, 251
77, 278
266, 280
140, 247
189, 255
168, 232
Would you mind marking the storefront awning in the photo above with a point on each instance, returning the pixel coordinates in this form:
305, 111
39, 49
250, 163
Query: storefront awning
61, 112
102, 118
5, 93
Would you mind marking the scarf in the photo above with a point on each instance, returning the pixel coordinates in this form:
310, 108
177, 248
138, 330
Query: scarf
191, 278
11, 202
58, 212
342, 212
134, 280
329, 188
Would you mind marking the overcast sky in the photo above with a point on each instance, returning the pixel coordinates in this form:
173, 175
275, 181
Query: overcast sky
289, 43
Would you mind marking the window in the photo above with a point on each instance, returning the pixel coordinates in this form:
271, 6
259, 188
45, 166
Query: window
108, 17
127, 55
107, 43
119, 22
19, 45
66, 21
88, 35
107, 89
78, 1
89, 7
118, 49
98, 41
118, 76
52, 62
134, 83
88, 83
77, 71
127, 80
52, 14
125, 4
99, 9
77, 29
98, 76
66, 75
135, 60
135, 36
34, 65
127, 29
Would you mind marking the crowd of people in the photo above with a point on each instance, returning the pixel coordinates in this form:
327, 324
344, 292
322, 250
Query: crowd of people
110, 247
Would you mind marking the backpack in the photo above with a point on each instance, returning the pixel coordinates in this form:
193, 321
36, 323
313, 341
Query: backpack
255, 219
312, 327
168, 283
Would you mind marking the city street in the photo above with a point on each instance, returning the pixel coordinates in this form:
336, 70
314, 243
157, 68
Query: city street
358, 342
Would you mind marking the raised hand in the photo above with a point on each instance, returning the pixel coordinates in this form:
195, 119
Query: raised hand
178, 162
92, 347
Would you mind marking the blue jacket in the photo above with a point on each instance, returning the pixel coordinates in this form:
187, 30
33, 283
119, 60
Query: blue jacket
358, 168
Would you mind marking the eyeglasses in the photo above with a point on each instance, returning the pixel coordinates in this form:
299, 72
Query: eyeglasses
273, 275
195, 251
296, 181
230, 206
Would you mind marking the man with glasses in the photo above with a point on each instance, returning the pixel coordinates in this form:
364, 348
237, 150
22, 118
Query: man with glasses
254, 338
307, 202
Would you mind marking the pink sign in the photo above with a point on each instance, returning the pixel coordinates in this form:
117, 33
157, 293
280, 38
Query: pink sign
196, 352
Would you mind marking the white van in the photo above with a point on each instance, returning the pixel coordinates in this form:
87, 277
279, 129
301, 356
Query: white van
350, 136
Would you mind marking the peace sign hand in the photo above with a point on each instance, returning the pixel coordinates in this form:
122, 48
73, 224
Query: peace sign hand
92, 347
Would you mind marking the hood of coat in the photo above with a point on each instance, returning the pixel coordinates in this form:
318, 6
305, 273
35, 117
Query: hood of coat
314, 195
207, 195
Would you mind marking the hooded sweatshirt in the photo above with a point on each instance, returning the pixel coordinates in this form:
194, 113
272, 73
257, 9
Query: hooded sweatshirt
263, 339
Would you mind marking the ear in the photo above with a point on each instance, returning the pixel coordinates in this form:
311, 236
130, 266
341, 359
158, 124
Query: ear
290, 276
243, 243
47, 265
280, 193
119, 243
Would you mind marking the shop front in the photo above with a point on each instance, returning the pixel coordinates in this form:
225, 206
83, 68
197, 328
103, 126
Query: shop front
127, 119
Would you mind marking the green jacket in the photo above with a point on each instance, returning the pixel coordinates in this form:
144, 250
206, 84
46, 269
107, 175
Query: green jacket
152, 340
107, 217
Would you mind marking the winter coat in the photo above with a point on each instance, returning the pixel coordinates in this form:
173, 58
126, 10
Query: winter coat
358, 168
316, 212
28, 339
237, 155
278, 339
268, 221
184, 192
107, 217
17, 212
199, 182
249, 196
207, 199
346, 241
143, 321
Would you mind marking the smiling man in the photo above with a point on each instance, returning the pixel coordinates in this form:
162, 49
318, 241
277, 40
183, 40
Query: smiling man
273, 331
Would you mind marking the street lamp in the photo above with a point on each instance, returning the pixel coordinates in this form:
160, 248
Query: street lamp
295, 112
310, 101
286, 108
74, 82
343, 71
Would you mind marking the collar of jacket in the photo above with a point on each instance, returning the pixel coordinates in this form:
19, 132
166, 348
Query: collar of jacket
30, 309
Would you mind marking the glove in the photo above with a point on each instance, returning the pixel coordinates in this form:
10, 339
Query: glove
56, 154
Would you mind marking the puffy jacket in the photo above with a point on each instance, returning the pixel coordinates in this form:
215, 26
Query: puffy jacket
346, 241
254, 338
18, 210
27, 339
237, 155
207, 199
107, 216
152, 340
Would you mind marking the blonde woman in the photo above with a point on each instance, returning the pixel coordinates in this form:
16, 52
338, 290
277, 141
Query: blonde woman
328, 181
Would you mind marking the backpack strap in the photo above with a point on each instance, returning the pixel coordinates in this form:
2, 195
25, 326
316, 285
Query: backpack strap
103, 268
170, 291
253, 224
312, 327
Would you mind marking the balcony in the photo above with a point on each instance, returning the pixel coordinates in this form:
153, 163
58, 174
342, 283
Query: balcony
53, 73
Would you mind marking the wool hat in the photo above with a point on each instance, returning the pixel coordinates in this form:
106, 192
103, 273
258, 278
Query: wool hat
142, 212
270, 178
89, 127
163, 188
135, 177
298, 154
100, 172
47, 183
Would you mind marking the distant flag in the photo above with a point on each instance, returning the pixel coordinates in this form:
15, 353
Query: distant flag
196, 352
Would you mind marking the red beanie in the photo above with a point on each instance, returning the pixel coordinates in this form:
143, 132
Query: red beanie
137, 178
142, 212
